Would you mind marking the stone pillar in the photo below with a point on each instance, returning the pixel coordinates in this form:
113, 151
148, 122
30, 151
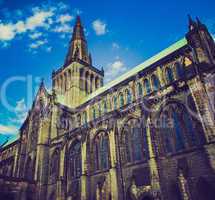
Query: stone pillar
113, 170
60, 183
84, 170
203, 107
155, 183
42, 158
93, 84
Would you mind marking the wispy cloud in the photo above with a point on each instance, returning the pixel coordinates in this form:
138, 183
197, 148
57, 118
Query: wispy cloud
115, 45
99, 27
35, 35
43, 20
20, 112
114, 69
37, 44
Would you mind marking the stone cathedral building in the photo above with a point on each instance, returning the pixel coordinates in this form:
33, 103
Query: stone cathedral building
148, 135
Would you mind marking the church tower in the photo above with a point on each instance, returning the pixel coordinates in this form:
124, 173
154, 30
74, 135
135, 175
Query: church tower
77, 78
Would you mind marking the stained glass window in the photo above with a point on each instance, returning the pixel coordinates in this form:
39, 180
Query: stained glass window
147, 86
155, 82
75, 160
140, 89
129, 98
101, 151
169, 73
178, 129
179, 69
121, 99
133, 143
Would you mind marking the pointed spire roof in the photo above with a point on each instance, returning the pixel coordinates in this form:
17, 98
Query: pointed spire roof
78, 31
192, 23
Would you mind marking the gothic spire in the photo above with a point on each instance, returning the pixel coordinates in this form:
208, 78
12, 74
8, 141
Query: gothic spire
78, 45
192, 24
78, 31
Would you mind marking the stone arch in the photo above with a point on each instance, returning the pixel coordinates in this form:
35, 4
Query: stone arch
55, 164
132, 140
74, 159
176, 127
101, 150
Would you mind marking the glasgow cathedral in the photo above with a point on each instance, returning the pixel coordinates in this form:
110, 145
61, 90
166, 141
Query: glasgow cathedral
147, 135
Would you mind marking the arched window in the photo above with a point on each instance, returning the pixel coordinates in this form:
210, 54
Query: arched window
54, 165
140, 89
133, 143
121, 100
79, 119
75, 160
128, 96
169, 73
85, 117
147, 86
155, 82
115, 102
91, 83
87, 82
101, 151
179, 69
94, 113
105, 106
177, 128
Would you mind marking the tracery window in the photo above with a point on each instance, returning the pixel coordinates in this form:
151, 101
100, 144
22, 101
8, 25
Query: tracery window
85, 117
140, 89
94, 113
128, 96
75, 160
169, 73
177, 128
133, 143
155, 82
121, 100
54, 165
101, 151
147, 86
179, 69
104, 106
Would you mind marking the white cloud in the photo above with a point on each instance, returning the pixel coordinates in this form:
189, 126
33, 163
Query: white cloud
114, 69
65, 28
37, 44
115, 45
20, 27
38, 19
35, 35
65, 18
7, 129
7, 32
20, 112
99, 27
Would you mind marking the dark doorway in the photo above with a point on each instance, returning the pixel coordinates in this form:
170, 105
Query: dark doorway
147, 198
6, 196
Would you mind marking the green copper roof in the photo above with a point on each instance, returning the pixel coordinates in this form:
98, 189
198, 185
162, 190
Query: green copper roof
181, 43
11, 140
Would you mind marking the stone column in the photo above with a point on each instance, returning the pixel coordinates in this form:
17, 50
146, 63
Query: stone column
204, 109
113, 170
60, 189
84, 170
155, 183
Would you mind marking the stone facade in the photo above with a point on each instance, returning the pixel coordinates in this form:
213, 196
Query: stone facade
147, 135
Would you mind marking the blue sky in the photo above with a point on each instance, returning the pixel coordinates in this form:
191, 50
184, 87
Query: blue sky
34, 36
